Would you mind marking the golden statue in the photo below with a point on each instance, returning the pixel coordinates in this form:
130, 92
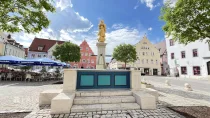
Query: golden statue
102, 31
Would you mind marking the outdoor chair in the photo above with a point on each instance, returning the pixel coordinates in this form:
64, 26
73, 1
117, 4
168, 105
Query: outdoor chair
9, 76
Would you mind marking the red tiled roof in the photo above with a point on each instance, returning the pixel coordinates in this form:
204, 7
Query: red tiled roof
46, 43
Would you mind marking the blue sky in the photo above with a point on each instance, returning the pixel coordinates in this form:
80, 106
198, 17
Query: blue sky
127, 22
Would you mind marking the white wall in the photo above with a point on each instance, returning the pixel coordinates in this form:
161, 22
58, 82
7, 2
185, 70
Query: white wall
14, 51
189, 61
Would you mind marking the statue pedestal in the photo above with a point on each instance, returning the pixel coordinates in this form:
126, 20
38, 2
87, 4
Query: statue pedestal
100, 63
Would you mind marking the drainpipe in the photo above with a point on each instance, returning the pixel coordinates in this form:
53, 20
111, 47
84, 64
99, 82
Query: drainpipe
5, 48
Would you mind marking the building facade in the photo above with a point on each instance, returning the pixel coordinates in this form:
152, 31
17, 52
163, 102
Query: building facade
88, 59
148, 59
161, 46
42, 48
8, 46
189, 61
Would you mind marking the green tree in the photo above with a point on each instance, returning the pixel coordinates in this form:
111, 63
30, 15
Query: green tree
187, 21
24, 15
67, 52
125, 53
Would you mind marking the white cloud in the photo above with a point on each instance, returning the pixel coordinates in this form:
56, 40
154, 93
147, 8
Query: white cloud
150, 28
149, 3
64, 20
69, 20
172, 2
63, 4
117, 26
124, 35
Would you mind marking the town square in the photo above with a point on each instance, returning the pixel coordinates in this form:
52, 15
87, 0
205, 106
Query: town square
105, 59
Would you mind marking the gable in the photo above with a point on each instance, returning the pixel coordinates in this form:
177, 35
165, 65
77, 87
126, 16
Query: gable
46, 44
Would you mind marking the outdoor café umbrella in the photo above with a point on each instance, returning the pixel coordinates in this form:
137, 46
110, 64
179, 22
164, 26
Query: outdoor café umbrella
10, 60
42, 62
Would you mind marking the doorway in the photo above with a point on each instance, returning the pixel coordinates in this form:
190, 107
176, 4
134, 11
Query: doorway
155, 71
146, 71
208, 67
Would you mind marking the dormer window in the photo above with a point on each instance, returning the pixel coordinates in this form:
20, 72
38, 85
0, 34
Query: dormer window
40, 48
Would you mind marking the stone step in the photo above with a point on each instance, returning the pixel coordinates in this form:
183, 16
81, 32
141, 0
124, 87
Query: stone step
103, 93
104, 107
104, 100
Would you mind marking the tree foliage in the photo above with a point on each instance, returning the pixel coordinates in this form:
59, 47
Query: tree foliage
187, 21
67, 52
24, 15
125, 53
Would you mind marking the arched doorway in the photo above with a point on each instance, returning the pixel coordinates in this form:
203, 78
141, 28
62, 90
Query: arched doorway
208, 67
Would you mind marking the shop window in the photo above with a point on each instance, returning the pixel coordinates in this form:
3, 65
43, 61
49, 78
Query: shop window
196, 70
183, 70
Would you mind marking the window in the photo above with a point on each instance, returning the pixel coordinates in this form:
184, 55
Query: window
82, 54
142, 53
44, 56
88, 61
147, 61
40, 48
196, 70
32, 55
152, 61
87, 48
183, 54
83, 61
195, 52
172, 55
171, 42
86, 54
142, 61
157, 62
184, 70
92, 61
80, 48
39, 55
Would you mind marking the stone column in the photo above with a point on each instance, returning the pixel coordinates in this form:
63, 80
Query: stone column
135, 80
69, 80
100, 63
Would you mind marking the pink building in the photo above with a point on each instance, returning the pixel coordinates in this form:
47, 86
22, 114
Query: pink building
88, 60
161, 46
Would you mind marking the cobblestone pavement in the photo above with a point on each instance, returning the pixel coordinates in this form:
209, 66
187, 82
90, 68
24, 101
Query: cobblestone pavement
22, 96
161, 112
178, 96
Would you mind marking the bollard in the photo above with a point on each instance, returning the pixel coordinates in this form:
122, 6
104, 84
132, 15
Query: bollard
167, 83
188, 87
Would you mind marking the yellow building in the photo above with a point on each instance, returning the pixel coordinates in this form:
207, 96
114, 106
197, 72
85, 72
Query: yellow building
148, 59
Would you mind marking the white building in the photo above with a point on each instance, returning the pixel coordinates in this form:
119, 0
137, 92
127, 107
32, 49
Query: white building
189, 61
41, 48
8, 46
